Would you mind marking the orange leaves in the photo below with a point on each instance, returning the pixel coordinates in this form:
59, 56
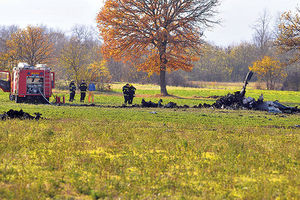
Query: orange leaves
132, 29
150, 63
268, 69
31, 45
265, 65
99, 72
289, 37
154, 36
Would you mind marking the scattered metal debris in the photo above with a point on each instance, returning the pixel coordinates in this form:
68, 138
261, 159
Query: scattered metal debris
233, 102
237, 101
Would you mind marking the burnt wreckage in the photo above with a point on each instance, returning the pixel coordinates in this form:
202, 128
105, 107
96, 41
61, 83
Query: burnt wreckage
236, 100
14, 114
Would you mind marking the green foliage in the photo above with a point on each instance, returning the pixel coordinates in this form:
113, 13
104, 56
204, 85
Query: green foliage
130, 153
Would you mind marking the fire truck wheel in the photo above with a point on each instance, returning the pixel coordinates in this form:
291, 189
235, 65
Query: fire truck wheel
19, 99
11, 97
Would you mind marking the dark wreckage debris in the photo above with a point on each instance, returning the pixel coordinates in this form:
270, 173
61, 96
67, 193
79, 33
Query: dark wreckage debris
238, 101
150, 104
234, 101
14, 114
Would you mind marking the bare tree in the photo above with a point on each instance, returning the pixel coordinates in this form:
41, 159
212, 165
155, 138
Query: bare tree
262, 34
82, 50
7, 61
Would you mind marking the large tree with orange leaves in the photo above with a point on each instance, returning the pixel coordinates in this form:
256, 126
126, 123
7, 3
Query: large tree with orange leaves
155, 35
31, 45
288, 39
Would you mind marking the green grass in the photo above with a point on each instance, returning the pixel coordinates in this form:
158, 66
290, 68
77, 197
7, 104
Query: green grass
182, 96
130, 153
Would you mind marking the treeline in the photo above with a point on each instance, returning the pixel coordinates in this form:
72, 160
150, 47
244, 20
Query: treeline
76, 55
273, 54
73, 56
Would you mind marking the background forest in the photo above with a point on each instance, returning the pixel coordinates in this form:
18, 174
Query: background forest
76, 55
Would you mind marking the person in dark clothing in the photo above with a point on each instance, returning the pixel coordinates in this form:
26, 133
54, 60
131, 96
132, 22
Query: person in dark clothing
125, 90
83, 88
128, 91
72, 88
131, 93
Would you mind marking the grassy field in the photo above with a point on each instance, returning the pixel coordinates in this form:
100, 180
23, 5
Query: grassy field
183, 95
131, 153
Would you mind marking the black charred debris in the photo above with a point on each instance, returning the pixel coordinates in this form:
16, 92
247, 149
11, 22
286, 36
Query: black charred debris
232, 102
235, 101
14, 114
238, 101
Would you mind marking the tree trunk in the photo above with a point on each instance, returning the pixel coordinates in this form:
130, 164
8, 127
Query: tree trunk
163, 84
162, 74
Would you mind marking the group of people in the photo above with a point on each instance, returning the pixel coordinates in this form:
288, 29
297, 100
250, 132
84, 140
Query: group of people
128, 91
83, 89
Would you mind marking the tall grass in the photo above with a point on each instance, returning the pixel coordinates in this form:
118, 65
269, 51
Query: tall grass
133, 153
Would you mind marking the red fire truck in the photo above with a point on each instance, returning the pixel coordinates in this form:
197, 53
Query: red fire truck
32, 84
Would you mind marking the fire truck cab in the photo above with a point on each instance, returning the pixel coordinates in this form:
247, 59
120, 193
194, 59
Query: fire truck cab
32, 84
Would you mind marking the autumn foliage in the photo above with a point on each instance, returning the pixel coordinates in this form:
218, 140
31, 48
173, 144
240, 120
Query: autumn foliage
289, 37
155, 36
81, 59
75, 58
269, 70
99, 73
31, 45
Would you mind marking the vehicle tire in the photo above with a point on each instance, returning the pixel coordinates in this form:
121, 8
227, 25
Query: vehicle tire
19, 99
11, 97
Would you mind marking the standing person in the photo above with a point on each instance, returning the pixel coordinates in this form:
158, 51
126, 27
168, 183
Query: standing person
131, 93
126, 93
92, 88
83, 88
72, 88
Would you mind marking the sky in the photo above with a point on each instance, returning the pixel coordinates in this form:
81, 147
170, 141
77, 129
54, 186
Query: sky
237, 16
